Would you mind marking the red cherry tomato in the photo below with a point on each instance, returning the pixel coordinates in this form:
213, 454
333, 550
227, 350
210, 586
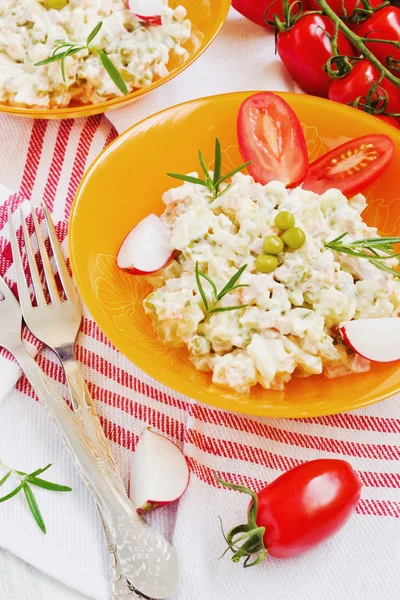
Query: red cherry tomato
358, 83
391, 120
385, 25
305, 49
301, 509
270, 135
350, 167
260, 11
345, 7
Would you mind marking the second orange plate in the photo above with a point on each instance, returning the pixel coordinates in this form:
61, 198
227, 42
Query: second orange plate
126, 183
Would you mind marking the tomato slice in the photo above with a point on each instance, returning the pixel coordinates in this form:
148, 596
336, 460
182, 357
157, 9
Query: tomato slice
350, 167
270, 135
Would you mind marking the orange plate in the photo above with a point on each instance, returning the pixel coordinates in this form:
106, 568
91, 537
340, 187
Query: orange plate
126, 183
207, 18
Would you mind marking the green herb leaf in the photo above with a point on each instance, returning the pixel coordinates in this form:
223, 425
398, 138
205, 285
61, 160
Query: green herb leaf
33, 505
48, 485
233, 172
369, 249
6, 476
226, 308
230, 286
93, 33
13, 493
39, 471
211, 184
187, 178
210, 281
50, 59
217, 164
235, 287
113, 72
203, 165
231, 282
202, 294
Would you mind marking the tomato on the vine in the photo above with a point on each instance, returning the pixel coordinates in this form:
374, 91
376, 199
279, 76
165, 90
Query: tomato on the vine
359, 82
261, 11
390, 120
352, 166
345, 8
306, 48
297, 511
384, 25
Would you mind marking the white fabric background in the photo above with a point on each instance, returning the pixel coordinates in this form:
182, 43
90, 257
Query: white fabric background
361, 563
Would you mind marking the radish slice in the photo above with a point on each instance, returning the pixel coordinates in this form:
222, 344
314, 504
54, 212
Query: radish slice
147, 248
374, 339
148, 11
159, 472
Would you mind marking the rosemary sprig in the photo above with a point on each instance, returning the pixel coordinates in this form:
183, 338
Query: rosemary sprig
376, 250
25, 482
217, 296
64, 49
212, 184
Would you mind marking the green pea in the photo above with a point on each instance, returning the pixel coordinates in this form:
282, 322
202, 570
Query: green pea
266, 263
284, 220
272, 244
294, 238
56, 4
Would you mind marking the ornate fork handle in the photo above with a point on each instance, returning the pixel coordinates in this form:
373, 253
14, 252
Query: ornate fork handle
145, 558
85, 411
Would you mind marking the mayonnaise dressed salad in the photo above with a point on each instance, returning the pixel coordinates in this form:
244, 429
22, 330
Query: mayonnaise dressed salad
30, 31
288, 321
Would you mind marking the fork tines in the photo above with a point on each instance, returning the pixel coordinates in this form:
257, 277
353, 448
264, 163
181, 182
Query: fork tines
33, 267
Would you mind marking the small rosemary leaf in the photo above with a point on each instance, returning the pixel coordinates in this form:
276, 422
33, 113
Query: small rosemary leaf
50, 59
383, 241
340, 237
6, 476
202, 294
231, 282
187, 178
33, 505
225, 308
235, 287
63, 67
13, 493
384, 267
232, 173
217, 164
48, 485
345, 250
93, 33
113, 72
205, 170
210, 281
39, 471
228, 187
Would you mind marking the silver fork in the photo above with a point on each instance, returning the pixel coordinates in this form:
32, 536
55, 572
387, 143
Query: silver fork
57, 325
141, 558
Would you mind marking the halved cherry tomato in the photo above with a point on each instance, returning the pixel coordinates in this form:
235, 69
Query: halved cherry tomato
350, 167
270, 135
383, 25
345, 8
306, 48
261, 11
297, 511
358, 83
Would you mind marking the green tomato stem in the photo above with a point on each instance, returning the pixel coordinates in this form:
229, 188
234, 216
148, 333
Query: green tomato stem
358, 42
